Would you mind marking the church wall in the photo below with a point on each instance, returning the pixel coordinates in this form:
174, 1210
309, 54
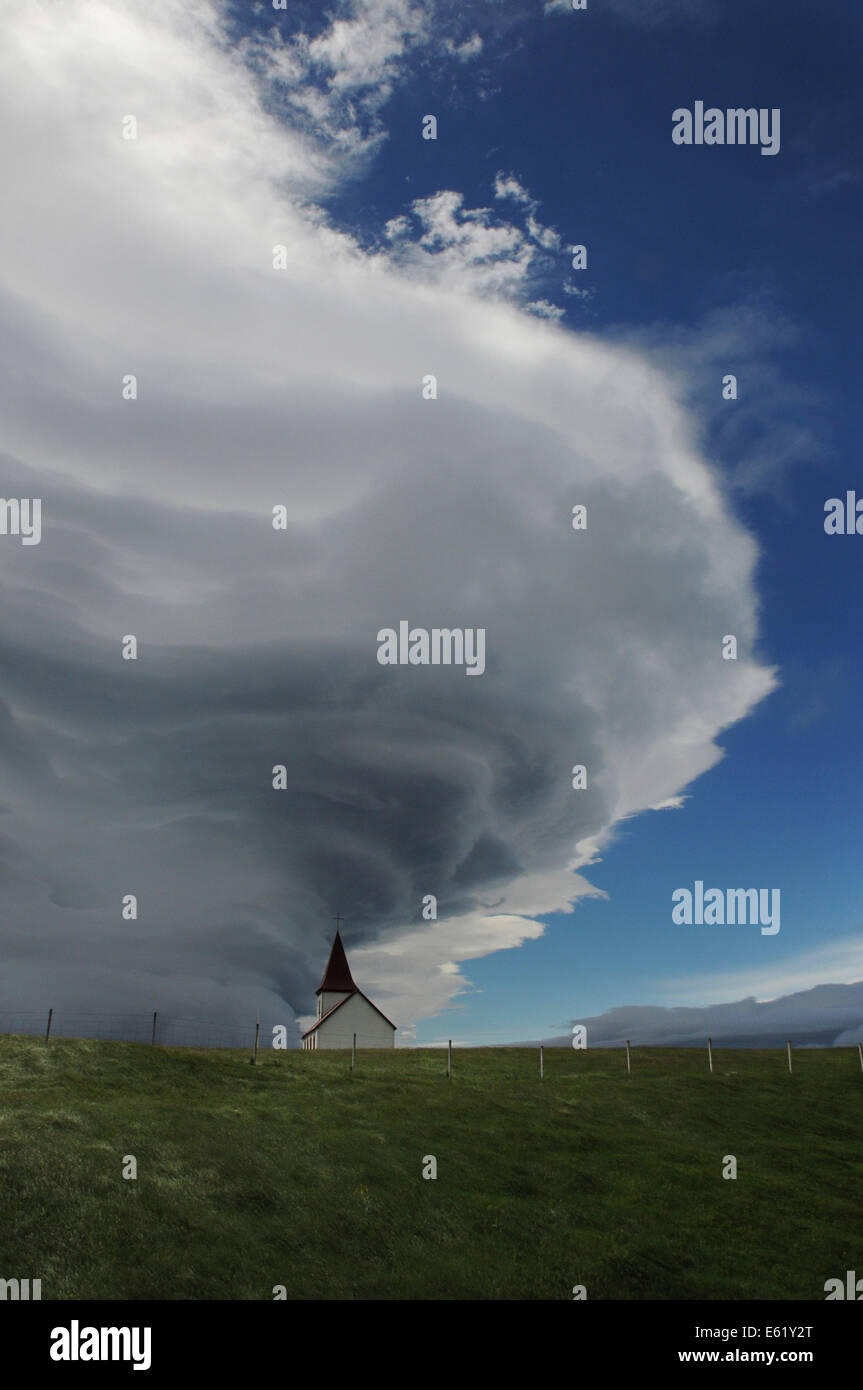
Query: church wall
328, 1000
356, 1016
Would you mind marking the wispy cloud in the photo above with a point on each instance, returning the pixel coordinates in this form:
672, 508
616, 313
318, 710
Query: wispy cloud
835, 962
474, 249
775, 425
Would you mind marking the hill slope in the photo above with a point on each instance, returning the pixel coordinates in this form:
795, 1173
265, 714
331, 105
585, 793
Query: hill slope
294, 1173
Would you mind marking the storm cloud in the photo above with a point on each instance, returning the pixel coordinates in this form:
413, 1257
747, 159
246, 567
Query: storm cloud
301, 387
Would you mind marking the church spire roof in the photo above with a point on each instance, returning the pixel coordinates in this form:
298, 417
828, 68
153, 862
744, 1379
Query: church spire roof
337, 975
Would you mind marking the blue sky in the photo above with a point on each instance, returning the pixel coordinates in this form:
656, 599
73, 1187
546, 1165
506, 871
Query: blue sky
298, 384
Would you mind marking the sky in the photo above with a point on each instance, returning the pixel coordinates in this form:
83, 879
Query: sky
236, 206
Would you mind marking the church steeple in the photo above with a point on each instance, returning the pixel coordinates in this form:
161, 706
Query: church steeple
346, 1016
337, 976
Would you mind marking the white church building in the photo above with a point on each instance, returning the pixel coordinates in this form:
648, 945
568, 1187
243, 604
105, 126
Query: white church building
344, 1010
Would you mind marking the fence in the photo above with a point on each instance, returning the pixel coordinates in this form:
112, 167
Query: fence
125, 1027
189, 1032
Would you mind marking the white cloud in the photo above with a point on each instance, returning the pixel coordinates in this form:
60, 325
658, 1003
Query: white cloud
544, 310
471, 48
333, 86
508, 186
476, 251
465, 248
417, 972
364, 51
576, 292
543, 236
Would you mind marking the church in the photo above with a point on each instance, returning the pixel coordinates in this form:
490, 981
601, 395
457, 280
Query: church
344, 1010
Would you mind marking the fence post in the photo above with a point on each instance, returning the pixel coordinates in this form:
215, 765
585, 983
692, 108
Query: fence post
540, 1062
48, 1029
710, 1052
257, 1031
789, 1059
860, 1050
153, 1038
628, 1059
354, 1052
449, 1059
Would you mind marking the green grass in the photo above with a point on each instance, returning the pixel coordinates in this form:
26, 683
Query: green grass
294, 1173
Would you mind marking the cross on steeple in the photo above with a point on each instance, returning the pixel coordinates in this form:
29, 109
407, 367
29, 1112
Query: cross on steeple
338, 919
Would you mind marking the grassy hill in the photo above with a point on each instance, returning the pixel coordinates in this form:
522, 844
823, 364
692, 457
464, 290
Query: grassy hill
294, 1173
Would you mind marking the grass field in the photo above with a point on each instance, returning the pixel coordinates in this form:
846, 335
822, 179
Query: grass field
294, 1173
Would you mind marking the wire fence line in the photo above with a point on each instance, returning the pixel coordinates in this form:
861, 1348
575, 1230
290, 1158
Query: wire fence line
171, 1031
166, 1028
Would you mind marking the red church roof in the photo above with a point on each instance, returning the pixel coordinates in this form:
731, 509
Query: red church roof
337, 975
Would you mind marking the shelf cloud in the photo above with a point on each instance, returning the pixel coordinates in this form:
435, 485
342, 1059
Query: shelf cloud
301, 387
